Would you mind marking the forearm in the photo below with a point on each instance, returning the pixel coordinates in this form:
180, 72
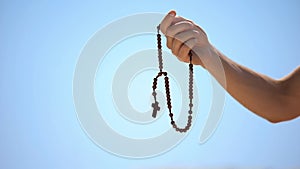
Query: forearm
259, 93
271, 99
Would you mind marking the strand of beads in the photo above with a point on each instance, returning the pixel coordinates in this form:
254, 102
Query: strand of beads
155, 105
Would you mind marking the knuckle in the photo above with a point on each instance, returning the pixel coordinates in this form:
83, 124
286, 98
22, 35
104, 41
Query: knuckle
196, 33
186, 25
190, 25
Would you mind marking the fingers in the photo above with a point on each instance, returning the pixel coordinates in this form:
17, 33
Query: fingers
177, 19
181, 38
185, 48
167, 21
169, 42
179, 26
176, 29
179, 34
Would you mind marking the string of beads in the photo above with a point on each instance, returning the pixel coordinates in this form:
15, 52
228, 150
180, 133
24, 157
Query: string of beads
161, 73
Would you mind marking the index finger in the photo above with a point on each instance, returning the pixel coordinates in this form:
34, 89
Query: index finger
167, 21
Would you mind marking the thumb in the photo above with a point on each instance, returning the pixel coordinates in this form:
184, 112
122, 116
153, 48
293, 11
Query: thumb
167, 21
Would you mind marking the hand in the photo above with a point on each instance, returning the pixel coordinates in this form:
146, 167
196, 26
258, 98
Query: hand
184, 36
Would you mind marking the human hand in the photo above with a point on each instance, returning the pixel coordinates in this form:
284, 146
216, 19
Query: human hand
184, 36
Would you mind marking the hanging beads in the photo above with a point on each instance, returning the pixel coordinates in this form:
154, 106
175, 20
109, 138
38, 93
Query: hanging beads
155, 105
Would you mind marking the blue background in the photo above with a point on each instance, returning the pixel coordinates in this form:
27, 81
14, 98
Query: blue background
40, 42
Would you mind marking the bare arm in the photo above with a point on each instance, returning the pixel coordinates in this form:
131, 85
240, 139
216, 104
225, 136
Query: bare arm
274, 100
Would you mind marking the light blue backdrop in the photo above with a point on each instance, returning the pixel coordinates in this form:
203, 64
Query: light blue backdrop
40, 42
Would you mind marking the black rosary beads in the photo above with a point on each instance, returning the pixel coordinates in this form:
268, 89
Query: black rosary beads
155, 105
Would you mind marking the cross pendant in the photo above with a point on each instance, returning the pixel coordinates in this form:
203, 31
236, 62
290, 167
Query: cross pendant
156, 108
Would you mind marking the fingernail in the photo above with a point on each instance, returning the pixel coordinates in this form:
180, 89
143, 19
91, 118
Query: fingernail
172, 13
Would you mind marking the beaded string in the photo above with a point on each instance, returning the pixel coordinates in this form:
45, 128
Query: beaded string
161, 73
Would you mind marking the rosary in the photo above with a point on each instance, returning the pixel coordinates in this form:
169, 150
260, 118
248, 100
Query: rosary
161, 73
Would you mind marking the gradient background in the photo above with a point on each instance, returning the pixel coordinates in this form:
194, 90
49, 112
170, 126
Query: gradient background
40, 42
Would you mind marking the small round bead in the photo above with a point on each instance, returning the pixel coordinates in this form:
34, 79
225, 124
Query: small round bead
167, 87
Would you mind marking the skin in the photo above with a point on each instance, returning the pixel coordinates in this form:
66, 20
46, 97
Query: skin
271, 99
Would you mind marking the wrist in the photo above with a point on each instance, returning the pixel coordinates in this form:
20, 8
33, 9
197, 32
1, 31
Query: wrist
205, 55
